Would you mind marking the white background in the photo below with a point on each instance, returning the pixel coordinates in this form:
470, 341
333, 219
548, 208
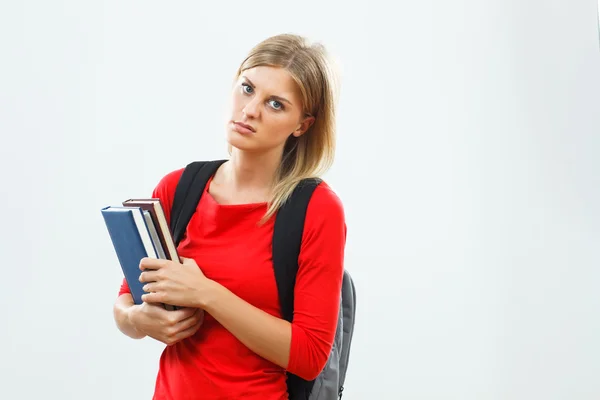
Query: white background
469, 137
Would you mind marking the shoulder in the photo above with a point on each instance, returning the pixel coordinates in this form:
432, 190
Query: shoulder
325, 211
165, 190
325, 200
324, 234
167, 184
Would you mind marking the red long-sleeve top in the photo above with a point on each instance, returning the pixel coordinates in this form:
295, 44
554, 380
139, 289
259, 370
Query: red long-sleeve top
231, 248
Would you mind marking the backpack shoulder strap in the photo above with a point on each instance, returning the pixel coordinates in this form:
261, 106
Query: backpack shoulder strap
188, 193
287, 241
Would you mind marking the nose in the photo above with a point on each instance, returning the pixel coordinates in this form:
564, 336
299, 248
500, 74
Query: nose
251, 109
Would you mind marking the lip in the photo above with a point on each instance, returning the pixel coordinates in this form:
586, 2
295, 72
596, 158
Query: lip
244, 126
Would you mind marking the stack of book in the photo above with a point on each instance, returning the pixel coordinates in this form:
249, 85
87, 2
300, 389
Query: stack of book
138, 229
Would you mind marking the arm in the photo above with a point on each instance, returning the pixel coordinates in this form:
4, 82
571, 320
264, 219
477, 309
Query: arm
122, 315
186, 285
266, 335
303, 346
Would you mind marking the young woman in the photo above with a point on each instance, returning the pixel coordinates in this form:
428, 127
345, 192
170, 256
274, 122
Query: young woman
229, 340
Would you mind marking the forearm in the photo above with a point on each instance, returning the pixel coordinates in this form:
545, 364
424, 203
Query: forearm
121, 311
268, 336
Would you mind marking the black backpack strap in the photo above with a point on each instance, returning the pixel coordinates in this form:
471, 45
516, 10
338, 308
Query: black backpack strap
287, 240
189, 190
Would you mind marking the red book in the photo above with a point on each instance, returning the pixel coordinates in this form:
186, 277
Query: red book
160, 223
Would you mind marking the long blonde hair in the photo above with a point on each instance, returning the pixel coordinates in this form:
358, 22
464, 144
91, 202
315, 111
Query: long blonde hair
311, 154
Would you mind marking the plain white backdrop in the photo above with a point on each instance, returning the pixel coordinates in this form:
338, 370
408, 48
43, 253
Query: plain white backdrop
469, 137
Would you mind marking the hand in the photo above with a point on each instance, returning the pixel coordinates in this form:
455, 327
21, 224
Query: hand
170, 282
165, 326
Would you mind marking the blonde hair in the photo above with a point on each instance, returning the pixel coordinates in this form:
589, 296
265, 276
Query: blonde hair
311, 154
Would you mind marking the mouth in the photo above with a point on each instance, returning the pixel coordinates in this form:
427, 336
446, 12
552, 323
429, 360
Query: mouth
244, 127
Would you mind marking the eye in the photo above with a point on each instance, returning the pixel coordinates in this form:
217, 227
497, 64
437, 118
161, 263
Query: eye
247, 88
276, 105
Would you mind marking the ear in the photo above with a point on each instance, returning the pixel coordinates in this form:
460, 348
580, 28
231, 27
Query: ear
305, 124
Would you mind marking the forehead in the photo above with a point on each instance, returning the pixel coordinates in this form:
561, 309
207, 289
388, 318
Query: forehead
274, 81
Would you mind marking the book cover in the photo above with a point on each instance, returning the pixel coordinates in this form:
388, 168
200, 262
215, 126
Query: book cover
132, 241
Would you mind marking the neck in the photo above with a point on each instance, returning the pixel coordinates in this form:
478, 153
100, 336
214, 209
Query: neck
247, 170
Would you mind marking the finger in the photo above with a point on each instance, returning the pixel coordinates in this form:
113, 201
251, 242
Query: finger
150, 287
149, 276
186, 323
154, 297
182, 314
152, 263
181, 331
178, 317
200, 315
187, 332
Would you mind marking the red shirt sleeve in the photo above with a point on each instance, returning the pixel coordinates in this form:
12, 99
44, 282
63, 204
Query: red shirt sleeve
318, 284
165, 191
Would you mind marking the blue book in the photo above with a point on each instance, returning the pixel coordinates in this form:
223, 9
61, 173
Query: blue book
132, 241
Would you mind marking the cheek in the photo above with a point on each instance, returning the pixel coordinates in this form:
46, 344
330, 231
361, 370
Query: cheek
236, 102
278, 127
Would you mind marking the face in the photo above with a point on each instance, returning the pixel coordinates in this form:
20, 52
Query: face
266, 110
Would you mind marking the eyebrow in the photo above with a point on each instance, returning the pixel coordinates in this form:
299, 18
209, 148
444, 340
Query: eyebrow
278, 98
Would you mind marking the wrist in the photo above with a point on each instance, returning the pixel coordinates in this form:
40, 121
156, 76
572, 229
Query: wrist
131, 317
210, 296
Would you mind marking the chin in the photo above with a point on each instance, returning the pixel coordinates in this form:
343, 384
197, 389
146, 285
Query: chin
239, 141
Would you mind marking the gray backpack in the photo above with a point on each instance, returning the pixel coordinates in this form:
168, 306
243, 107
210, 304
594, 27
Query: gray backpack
287, 238
329, 385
